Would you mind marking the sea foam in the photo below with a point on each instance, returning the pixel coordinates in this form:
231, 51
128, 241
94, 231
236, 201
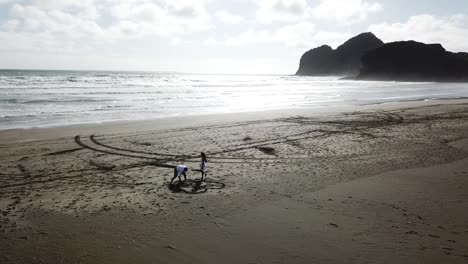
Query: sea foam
54, 98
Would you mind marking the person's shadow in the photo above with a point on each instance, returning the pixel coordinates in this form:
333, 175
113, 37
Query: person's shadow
196, 186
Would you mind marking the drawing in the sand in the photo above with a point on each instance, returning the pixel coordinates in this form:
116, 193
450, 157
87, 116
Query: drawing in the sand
179, 171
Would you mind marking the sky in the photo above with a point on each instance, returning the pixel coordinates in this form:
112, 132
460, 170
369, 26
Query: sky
210, 36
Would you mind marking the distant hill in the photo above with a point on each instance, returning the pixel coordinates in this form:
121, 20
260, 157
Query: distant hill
414, 61
344, 61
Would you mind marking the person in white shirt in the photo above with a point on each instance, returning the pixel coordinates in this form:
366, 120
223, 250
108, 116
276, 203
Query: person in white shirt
203, 165
179, 171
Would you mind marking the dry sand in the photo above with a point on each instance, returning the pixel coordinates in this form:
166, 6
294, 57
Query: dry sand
379, 184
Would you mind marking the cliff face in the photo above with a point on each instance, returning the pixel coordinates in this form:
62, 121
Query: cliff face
414, 61
345, 60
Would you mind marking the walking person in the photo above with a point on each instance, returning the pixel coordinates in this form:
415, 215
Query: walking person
179, 171
203, 165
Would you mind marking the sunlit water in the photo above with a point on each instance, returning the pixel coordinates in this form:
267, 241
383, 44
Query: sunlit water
54, 98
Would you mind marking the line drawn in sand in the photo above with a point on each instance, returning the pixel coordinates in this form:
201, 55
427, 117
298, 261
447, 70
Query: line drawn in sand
196, 186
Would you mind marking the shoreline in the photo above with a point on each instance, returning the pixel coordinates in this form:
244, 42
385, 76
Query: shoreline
181, 121
370, 183
144, 96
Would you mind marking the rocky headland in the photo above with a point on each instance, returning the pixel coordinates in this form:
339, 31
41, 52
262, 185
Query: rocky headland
414, 61
365, 57
344, 61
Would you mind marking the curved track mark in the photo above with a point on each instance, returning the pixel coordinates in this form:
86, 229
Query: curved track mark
93, 139
156, 163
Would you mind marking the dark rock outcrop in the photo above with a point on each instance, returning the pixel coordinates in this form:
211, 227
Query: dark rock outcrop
345, 60
414, 61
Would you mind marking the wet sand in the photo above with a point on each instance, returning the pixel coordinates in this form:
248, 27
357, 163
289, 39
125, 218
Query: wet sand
378, 184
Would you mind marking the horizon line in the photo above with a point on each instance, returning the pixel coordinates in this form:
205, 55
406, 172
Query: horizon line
145, 71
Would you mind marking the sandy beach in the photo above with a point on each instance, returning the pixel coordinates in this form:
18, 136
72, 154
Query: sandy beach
375, 184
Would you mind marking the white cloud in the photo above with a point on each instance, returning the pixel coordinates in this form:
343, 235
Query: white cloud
211, 41
70, 23
250, 37
294, 35
330, 38
228, 18
451, 32
269, 11
164, 18
10, 25
346, 12
32, 19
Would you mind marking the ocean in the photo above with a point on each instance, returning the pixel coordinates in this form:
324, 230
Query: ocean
31, 98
